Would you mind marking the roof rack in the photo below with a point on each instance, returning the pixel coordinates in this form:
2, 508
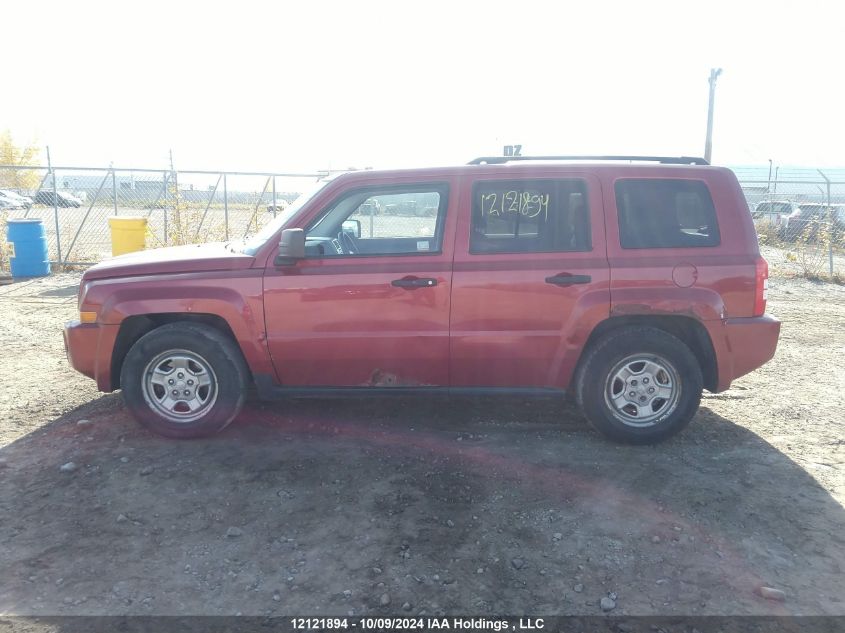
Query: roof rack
666, 160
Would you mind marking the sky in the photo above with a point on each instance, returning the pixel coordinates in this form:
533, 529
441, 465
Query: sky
303, 86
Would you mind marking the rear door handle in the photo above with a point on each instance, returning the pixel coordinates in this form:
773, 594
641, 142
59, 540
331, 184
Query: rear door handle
414, 282
568, 280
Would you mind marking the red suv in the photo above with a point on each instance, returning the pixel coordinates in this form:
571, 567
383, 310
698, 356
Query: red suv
631, 285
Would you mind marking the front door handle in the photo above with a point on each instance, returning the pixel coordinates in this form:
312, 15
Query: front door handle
568, 280
414, 282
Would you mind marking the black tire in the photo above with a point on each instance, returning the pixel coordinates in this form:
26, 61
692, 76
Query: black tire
228, 373
594, 389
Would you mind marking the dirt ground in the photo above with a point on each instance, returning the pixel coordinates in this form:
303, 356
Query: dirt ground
422, 506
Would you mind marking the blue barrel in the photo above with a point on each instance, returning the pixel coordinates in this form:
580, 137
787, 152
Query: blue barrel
29, 241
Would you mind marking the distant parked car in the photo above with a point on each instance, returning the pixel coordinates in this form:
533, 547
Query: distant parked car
805, 222
7, 204
62, 199
369, 208
773, 211
280, 206
408, 207
12, 196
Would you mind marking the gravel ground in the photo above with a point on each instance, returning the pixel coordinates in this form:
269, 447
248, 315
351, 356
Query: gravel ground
422, 505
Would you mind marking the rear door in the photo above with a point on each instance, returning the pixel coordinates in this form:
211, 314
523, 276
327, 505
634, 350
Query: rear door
530, 278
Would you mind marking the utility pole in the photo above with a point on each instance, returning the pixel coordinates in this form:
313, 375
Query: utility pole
708, 144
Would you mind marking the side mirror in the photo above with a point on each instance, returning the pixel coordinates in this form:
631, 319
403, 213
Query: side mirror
353, 227
291, 247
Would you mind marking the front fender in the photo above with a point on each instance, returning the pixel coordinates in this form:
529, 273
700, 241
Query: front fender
235, 296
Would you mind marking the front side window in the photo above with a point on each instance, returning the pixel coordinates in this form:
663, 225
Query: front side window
381, 221
665, 213
530, 216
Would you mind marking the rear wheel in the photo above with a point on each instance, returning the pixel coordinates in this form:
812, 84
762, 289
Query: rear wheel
184, 380
639, 385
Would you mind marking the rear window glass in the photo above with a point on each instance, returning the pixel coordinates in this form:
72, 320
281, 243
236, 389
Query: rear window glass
530, 216
671, 213
766, 208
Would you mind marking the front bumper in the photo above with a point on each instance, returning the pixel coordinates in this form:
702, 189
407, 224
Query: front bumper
88, 347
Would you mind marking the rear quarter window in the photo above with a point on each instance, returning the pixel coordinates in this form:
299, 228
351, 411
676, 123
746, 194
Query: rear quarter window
665, 213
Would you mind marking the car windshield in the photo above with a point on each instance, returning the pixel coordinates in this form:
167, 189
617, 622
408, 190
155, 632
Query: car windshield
250, 246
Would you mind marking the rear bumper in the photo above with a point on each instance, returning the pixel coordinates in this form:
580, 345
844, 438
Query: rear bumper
742, 345
89, 348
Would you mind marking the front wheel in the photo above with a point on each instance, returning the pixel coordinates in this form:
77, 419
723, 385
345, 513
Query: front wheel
184, 380
639, 385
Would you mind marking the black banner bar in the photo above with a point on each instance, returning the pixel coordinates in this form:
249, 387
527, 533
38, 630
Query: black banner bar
425, 623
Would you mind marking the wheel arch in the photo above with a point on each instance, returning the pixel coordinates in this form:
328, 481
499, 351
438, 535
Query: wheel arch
688, 329
134, 327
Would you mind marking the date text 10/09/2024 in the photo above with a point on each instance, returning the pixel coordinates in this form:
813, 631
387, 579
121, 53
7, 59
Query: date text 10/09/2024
417, 624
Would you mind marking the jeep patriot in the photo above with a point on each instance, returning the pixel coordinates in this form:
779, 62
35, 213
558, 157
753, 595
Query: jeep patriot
630, 283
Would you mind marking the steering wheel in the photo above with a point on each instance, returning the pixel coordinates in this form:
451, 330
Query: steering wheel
348, 242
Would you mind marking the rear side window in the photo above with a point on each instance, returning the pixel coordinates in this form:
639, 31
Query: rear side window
813, 211
530, 216
669, 213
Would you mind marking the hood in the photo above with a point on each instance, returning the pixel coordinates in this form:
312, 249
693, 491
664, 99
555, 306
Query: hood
174, 259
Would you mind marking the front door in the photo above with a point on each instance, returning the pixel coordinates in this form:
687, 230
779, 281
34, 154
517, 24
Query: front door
530, 279
369, 305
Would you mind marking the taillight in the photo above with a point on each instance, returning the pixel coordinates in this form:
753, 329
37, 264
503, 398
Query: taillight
761, 285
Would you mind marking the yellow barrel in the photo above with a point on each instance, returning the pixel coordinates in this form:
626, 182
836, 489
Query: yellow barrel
128, 234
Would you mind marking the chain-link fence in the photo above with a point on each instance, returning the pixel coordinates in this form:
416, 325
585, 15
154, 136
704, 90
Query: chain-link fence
181, 207
800, 219
799, 213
